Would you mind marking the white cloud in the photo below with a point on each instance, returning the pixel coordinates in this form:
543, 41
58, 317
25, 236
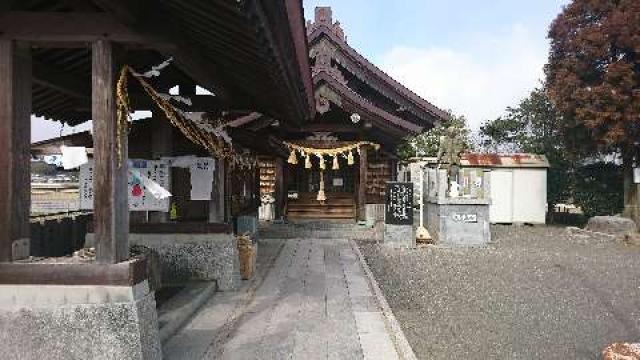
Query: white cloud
478, 80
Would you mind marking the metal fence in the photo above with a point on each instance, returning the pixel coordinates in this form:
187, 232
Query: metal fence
58, 235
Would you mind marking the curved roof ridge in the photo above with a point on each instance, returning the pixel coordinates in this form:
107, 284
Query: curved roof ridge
322, 29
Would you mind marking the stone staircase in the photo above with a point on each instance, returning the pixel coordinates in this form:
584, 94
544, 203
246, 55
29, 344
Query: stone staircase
335, 229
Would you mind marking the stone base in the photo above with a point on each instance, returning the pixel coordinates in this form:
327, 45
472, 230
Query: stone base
399, 236
189, 257
374, 213
459, 224
78, 322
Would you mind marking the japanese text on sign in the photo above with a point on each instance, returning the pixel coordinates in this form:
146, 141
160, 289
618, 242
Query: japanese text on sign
399, 209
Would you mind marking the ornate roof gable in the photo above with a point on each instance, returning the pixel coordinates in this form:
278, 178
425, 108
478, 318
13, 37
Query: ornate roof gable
329, 48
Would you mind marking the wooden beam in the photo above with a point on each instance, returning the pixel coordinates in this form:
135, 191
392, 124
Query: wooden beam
334, 128
362, 182
15, 136
111, 208
6, 5
177, 228
185, 56
121, 274
71, 27
61, 81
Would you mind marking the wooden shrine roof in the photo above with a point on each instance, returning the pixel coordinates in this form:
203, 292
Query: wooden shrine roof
252, 55
335, 59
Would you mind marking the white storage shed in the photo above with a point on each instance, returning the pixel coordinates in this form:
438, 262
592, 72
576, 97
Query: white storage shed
518, 186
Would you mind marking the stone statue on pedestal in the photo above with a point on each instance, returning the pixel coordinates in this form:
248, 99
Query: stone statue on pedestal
449, 156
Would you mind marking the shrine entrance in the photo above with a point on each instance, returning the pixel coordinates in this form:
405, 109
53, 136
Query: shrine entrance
342, 180
339, 185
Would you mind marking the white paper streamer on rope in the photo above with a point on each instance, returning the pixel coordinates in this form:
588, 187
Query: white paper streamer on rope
155, 70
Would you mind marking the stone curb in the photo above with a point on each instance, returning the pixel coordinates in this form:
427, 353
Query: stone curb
397, 335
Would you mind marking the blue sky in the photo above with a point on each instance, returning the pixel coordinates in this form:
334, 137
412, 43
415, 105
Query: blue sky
473, 57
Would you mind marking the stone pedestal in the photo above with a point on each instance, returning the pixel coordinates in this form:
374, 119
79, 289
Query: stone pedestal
78, 322
399, 236
459, 223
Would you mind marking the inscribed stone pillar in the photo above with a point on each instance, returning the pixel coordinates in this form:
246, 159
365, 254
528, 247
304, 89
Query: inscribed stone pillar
362, 183
111, 207
15, 135
281, 192
161, 145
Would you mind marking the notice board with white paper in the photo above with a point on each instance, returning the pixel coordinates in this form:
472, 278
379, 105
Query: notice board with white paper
140, 198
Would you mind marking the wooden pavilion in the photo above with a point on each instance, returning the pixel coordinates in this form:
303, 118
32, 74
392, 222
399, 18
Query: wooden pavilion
59, 59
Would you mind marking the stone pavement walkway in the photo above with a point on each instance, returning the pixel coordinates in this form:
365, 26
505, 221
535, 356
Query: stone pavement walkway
314, 303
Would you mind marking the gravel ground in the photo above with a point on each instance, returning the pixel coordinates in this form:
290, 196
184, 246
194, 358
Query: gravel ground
534, 293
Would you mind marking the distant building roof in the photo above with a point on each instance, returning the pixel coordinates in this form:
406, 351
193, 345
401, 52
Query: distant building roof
505, 161
521, 160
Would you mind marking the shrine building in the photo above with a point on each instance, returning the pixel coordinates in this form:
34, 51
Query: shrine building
308, 127
361, 112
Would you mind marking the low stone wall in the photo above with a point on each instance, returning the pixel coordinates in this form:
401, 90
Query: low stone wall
78, 322
187, 257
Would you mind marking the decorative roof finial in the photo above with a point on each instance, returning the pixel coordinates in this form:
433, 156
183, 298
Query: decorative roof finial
324, 16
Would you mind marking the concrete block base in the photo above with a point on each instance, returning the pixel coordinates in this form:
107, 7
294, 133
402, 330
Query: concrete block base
459, 224
78, 322
399, 236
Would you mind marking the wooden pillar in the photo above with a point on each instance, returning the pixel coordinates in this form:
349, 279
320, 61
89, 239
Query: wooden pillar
281, 196
362, 183
217, 203
111, 207
394, 169
228, 192
15, 140
161, 145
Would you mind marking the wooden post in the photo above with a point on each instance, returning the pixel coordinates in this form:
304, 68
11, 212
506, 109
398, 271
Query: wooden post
281, 195
111, 207
394, 169
15, 140
217, 204
228, 194
362, 183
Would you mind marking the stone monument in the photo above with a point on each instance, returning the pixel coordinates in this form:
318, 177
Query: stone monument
398, 218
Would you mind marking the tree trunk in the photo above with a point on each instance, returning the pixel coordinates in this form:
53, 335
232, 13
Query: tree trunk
631, 192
